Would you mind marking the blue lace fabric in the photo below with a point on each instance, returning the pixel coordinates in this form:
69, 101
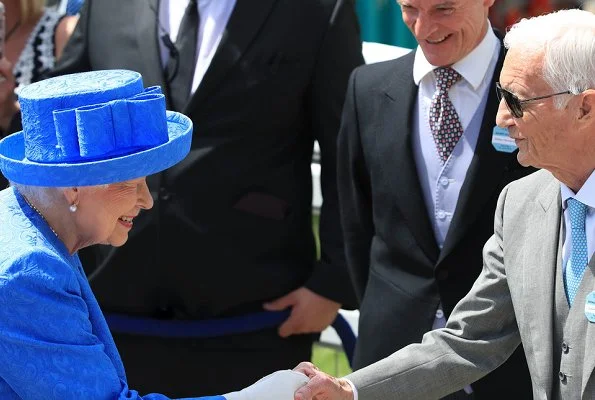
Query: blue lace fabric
54, 341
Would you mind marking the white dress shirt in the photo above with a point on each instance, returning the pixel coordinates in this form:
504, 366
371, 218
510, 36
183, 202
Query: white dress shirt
441, 183
214, 15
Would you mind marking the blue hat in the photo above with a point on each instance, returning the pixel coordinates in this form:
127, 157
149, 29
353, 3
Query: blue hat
93, 128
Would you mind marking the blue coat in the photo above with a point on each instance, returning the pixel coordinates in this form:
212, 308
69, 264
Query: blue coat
54, 341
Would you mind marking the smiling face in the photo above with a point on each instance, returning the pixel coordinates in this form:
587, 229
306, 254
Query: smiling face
446, 30
105, 213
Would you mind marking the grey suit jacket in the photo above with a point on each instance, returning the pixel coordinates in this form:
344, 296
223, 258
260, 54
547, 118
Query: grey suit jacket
511, 301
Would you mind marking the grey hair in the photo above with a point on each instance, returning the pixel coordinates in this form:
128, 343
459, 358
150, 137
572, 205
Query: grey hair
45, 197
567, 40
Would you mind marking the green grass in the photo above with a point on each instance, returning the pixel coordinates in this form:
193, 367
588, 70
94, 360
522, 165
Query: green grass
330, 360
315, 224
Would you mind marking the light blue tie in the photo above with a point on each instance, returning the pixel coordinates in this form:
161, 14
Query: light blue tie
578, 259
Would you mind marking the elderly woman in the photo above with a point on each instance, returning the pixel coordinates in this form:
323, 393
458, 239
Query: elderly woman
77, 173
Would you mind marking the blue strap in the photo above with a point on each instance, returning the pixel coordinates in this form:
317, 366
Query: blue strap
209, 328
206, 328
345, 333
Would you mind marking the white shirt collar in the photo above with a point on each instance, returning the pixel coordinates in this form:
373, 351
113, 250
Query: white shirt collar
473, 67
585, 195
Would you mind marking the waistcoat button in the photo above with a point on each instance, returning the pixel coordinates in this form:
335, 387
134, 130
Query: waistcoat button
565, 347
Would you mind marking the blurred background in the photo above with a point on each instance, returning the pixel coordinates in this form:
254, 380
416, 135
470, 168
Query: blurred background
381, 21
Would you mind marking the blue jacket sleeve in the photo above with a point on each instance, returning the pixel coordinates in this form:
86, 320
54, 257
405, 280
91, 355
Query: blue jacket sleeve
49, 347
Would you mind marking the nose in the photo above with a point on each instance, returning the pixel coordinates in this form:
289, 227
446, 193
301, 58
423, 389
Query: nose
145, 200
423, 26
504, 118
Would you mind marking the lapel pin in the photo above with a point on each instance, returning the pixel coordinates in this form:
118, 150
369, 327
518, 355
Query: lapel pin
590, 307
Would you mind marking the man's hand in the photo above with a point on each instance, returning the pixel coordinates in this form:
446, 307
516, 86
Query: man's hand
321, 385
310, 312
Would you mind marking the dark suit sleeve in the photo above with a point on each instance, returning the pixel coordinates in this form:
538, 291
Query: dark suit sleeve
340, 53
75, 57
354, 193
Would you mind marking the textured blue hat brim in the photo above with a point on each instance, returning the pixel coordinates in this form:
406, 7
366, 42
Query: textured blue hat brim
16, 168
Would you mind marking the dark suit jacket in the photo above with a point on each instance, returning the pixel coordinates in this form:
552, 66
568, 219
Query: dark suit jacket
399, 272
231, 226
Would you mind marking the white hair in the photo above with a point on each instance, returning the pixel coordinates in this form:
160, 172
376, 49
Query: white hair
567, 40
45, 197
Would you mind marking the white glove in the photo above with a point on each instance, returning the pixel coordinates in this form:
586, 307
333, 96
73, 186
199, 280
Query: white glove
279, 385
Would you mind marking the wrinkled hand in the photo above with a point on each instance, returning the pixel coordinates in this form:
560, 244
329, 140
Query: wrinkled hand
280, 385
310, 312
8, 103
322, 386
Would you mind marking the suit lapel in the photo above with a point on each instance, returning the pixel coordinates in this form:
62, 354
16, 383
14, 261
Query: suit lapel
244, 23
146, 31
540, 257
399, 99
485, 172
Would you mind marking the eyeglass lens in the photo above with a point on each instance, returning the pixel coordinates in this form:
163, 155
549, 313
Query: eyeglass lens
512, 102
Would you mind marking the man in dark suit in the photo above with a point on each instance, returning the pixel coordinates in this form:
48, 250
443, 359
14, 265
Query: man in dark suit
415, 211
231, 230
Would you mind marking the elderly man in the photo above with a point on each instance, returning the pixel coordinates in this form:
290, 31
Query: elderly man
537, 284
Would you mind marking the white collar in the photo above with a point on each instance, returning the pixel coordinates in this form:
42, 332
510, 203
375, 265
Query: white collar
473, 67
586, 194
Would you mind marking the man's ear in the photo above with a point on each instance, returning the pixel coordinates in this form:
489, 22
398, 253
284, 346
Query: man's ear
587, 105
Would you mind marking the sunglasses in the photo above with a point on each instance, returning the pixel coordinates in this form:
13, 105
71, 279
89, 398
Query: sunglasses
514, 104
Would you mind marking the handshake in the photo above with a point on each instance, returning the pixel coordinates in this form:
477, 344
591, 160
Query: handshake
282, 385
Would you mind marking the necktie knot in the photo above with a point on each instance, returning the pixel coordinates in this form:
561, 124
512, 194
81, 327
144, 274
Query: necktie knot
445, 78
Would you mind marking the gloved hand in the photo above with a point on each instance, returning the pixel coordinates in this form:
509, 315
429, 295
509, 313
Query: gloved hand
279, 385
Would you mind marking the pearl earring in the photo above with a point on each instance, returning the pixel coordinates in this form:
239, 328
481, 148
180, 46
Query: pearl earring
73, 208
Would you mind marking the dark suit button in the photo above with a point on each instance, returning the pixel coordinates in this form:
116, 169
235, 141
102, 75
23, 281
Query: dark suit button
565, 348
442, 275
562, 376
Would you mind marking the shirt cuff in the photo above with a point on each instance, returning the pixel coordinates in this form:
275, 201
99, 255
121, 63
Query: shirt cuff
352, 388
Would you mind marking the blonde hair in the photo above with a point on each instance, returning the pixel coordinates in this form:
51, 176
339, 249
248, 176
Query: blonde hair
31, 9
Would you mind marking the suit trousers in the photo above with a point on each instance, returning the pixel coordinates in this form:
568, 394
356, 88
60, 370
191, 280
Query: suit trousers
181, 367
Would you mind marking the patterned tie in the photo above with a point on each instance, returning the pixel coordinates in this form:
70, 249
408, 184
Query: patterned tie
444, 120
578, 259
182, 66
